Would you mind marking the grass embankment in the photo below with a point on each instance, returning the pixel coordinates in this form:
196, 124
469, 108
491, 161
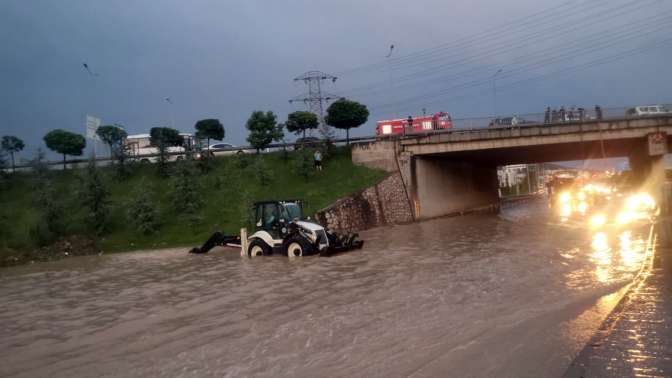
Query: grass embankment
224, 189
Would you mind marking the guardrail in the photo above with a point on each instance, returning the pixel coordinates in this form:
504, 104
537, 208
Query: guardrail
522, 126
270, 148
460, 125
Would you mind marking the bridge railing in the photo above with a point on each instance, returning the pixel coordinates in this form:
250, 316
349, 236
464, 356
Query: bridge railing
521, 119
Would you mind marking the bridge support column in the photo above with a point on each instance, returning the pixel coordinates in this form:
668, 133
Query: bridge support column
444, 187
648, 171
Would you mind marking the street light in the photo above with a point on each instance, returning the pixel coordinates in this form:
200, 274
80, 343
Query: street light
494, 91
171, 111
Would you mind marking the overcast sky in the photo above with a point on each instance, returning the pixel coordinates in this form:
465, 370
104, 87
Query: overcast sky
224, 59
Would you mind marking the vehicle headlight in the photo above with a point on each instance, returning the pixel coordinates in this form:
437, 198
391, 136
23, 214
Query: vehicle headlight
641, 201
598, 220
625, 217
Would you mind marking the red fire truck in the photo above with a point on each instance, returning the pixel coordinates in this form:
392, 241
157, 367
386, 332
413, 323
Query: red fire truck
438, 121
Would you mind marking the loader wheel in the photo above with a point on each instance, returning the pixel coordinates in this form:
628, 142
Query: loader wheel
257, 248
298, 246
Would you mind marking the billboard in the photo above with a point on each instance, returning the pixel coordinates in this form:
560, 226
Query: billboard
92, 124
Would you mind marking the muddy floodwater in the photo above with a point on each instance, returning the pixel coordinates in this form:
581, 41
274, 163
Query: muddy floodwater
514, 295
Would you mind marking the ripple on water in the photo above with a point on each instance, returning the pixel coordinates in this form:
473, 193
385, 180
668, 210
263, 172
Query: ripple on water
416, 292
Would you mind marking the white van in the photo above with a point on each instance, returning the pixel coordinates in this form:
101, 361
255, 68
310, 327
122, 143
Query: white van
140, 144
646, 110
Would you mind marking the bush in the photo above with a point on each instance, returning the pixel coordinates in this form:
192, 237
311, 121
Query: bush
245, 208
205, 165
4, 177
243, 160
41, 235
51, 206
261, 171
38, 164
142, 212
217, 182
303, 164
123, 167
95, 197
187, 198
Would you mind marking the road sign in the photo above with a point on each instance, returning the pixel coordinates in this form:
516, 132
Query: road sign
92, 124
657, 144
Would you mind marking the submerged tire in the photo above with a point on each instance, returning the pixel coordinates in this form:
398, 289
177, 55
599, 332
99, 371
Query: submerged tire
298, 246
258, 248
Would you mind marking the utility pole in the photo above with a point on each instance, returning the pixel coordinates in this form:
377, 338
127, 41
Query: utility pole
315, 99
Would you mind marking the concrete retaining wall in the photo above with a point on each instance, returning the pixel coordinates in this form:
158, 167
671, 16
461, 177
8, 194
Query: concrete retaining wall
381, 204
379, 154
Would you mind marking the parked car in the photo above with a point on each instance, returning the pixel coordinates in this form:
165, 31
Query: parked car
646, 110
223, 149
306, 142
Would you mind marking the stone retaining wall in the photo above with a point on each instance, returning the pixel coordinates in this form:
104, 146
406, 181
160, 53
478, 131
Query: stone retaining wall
381, 204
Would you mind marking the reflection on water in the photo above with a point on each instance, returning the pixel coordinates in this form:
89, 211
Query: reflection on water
419, 299
631, 254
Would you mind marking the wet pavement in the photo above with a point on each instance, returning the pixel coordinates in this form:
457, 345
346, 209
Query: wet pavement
515, 295
636, 339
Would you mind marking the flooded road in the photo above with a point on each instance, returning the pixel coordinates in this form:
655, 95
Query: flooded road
511, 295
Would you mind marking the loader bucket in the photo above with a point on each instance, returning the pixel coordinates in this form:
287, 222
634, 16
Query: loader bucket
343, 244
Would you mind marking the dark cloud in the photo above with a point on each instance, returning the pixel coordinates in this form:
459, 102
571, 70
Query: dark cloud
224, 59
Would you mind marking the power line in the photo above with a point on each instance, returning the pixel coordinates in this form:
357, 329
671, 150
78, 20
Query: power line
515, 71
574, 16
555, 13
489, 52
602, 40
594, 63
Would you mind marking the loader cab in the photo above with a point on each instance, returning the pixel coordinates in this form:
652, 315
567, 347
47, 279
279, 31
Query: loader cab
274, 216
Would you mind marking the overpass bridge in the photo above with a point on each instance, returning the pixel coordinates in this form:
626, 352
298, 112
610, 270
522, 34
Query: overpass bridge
455, 171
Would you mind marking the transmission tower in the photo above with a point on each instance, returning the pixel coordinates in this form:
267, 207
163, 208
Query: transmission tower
315, 98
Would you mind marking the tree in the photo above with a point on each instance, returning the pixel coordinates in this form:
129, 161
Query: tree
186, 195
142, 212
263, 129
162, 138
38, 165
346, 114
303, 165
95, 197
64, 142
113, 136
12, 145
3, 176
209, 129
299, 122
52, 207
262, 172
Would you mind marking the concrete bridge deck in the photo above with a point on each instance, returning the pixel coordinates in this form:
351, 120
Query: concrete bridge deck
618, 136
455, 171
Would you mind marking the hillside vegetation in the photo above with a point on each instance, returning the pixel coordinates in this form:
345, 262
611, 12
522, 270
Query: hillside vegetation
226, 192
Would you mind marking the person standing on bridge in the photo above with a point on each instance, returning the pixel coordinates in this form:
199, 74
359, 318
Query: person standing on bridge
598, 112
562, 114
582, 114
547, 115
554, 116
